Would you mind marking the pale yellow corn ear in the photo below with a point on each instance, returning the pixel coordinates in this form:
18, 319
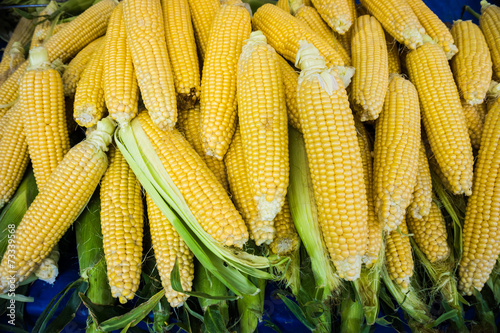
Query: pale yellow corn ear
42, 98
434, 27
398, 19
393, 55
122, 223
90, 106
430, 234
204, 195
334, 160
262, 232
169, 249
490, 25
286, 239
311, 17
181, 47
283, 32
218, 85
337, 14
443, 116
54, 209
370, 81
399, 257
120, 88
474, 116
472, 66
13, 154
21, 35
77, 65
146, 40
203, 14
290, 79
13, 60
422, 194
263, 124
188, 124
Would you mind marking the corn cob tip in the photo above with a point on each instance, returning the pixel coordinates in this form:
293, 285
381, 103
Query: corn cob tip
39, 58
284, 246
349, 269
345, 73
268, 209
484, 4
494, 89
341, 24
101, 134
59, 66
426, 39
263, 234
48, 271
17, 48
414, 37
450, 50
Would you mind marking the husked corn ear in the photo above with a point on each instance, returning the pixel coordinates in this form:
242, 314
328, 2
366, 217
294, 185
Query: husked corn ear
399, 258
474, 116
490, 26
54, 209
481, 238
290, 78
204, 195
231, 27
422, 194
90, 106
203, 14
334, 160
370, 81
262, 232
13, 154
336, 13
430, 234
122, 224
313, 20
393, 55
189, 125
121, 92
283, 32
472, 66
443, 116
182, 52
20, 37
44, 115
286, 240
77, 65
169, 248
398, 19
434, 27
146, 40
13, 60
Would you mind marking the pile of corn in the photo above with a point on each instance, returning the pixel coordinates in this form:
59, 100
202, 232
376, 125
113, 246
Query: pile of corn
383, 93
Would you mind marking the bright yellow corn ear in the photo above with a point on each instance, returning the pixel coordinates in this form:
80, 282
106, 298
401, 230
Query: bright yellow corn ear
203, 14
422, 194
290, 78
474, 116
337, 14
490, 25
218, 86
146, 40
399, 258
286, 240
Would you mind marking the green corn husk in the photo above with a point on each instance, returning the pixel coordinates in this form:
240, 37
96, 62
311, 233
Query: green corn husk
207, 283
290, 271
351, 314
251, 308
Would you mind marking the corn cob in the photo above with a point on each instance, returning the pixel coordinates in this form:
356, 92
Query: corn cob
480, 234
13, 60
474, 115
334, 160
399, 258
122, 226
283, 32
119, 82
13, 154
263, 124
54, 209
430, 234
218, 86
182, 52
286, 239
22, 35
490, 25
398, 19
313, 20
43, 25
44, 115
203, 14
77, 65
89, 106
370, 81
146, 41
262, 232
290, 78
42, 35
434, 27
337, 14
188, 124
170, 249
393, 55
444, 119
472, 66
204, 195
422, 194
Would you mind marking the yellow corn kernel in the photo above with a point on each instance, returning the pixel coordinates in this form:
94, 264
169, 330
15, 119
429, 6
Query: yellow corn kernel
490, 26
218, 86
334, 160
146, 41
122, 226
393, 55
286, 239
337, 14
203, 14
422, 194
443, 116
13, 60
182, 52
474, 116
399, 258
204, 195
189, 125
119, 82
290, 78
370, 81
54, 209
481, 239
